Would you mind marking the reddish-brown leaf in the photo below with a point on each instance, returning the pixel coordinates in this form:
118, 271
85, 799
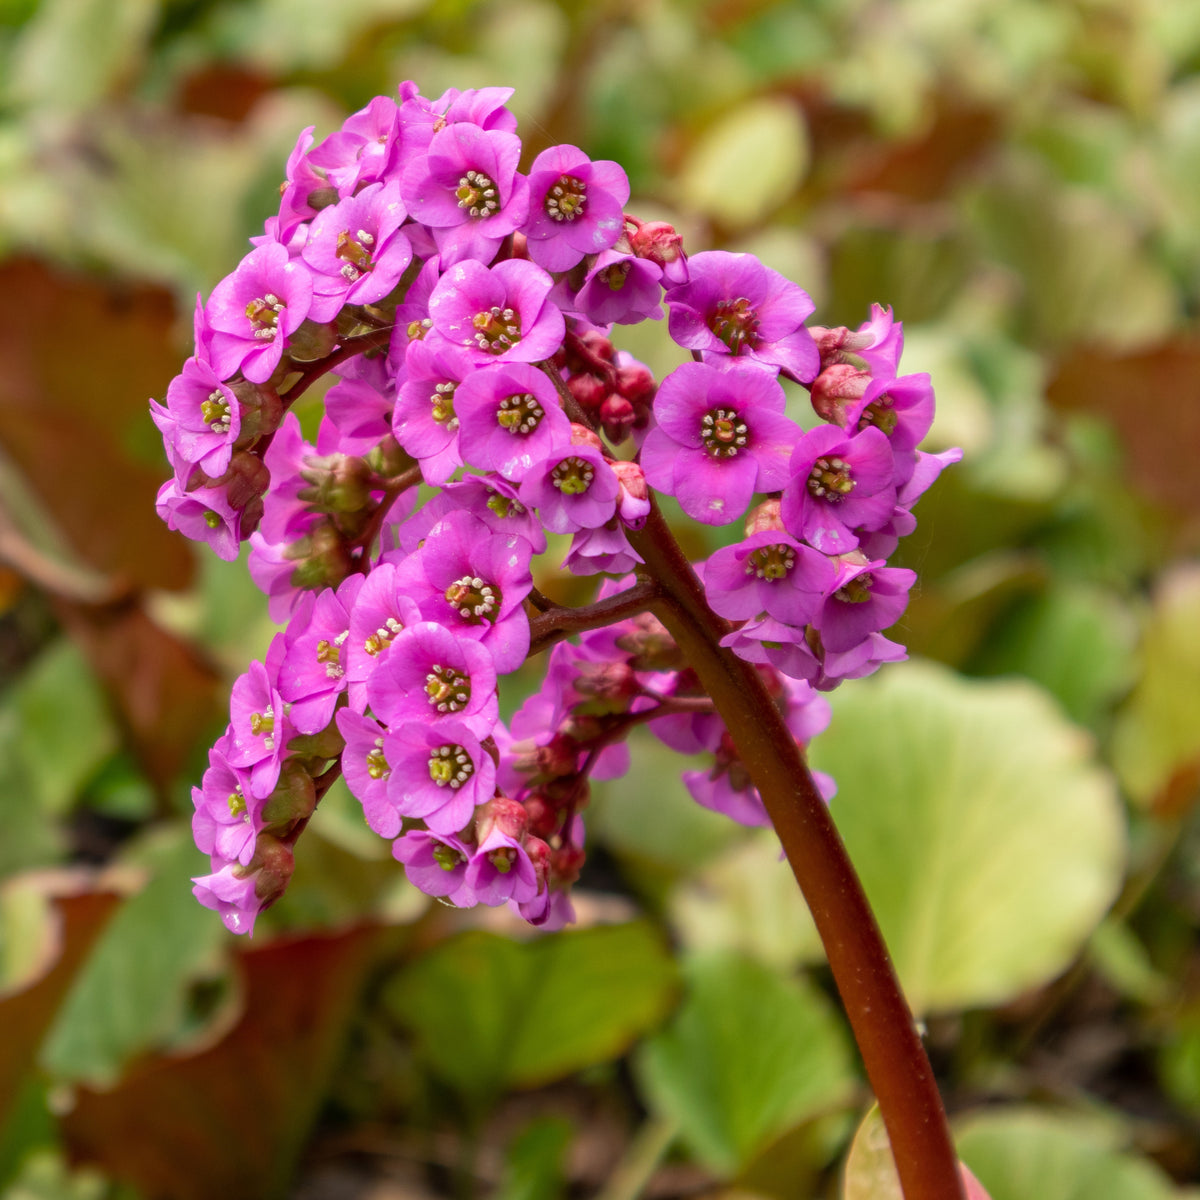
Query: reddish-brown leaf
79, 360
232, 1119
1150, 399
80, 906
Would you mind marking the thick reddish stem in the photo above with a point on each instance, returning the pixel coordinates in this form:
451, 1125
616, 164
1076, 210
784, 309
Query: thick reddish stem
895, 1059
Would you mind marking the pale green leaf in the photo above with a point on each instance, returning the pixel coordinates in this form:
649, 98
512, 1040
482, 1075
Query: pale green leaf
989, 841
748, 162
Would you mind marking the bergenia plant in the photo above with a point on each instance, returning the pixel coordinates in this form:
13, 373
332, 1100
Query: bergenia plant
465, 310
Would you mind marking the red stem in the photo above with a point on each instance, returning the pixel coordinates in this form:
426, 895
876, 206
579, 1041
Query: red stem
895, 1059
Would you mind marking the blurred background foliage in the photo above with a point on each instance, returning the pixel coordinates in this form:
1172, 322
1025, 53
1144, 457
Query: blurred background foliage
1021, 180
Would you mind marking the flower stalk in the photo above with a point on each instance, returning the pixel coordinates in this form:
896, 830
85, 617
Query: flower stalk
895, 1060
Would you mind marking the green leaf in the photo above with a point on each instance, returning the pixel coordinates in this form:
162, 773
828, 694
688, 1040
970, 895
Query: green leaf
989, 841
749, 1055
66, 728
747, 901
870, 1172
132, 994
1023, 1153
1158, 732
748, 163
534, 1166
489, 1013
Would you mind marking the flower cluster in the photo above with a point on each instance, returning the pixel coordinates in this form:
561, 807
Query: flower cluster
465, 309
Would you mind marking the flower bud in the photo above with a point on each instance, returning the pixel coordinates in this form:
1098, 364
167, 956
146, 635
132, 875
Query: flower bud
662, 245
311, 341
581, 435
246, 479
765, 518
292, 801
272, 867
565, 864
633, 500
610, 686
835, 389
338, 483
503, 815
261, 411
617, 416
635, 381
321, 558
588, 391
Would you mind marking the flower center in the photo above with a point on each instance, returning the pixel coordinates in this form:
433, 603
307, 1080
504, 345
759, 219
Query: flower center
377, 765
573, 476
830, 479
446, 857
881, 413
723, 432
441, 402
263, 725
474, 598
504, 506
212, 518
450, 766
477, 194
520, 414
237, 804
263, 314
856, 590
355, 249
417, 329
329, 655
496, 329
503, 858
381, 639
215, 412
771, 562
615, 275
565, 200
735, 322
448, 690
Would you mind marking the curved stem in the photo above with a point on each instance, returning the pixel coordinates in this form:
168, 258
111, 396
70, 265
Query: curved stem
895, 1059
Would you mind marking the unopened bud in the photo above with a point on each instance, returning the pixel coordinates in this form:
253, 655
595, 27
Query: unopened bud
502, 814
388, 459
635, 381
272, 866
661, 244
311, 341
617, 416
261, 410
835, 389
338, 483
588, 391
292, 801
321, 559
765, 518
581, 435
633, 500
565, 864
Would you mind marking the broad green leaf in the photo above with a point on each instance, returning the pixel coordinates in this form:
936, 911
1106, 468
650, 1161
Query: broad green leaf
1158, 731
489, 1013
1024, 1153
131, 996
747, 900
749, 1055
649, 819
748, 163
66, 728
989, 841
